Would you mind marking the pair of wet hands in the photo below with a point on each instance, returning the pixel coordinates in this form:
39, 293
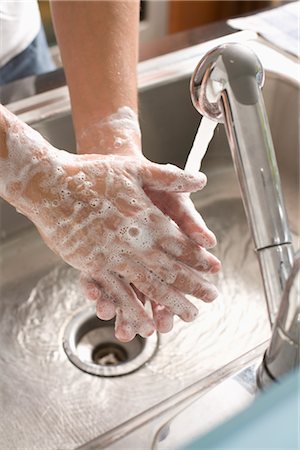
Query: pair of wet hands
127, 224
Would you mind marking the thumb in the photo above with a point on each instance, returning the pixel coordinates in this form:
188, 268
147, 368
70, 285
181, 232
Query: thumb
167, 177
11, 125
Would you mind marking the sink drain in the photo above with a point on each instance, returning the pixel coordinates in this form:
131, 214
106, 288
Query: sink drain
109, 354
91, 345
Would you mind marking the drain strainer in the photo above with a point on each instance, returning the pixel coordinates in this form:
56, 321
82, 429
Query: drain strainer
91, 345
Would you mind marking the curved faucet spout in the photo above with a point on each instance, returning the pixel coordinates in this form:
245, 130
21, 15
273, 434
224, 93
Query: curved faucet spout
228, 66
226, 87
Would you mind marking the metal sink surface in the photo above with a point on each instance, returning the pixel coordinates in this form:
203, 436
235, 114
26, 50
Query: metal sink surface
47, 402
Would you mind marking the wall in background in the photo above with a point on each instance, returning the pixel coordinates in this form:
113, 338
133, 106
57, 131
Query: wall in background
160, 17
185, 14
47, 22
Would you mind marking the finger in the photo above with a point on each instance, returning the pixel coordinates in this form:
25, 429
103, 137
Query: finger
170, 238
181, 209
124, 330
169, 178
189, 252
131, 317
151, 285
139, 294
183, 278
13, 126
162, 317
90, 288
105, 308
174, 242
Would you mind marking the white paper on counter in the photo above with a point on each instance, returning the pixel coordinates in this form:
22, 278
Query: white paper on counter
280, 26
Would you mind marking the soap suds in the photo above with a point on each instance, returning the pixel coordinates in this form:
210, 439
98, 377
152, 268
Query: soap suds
116, 133
93, 211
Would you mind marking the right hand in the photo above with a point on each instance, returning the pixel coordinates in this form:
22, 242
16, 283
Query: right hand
93, 211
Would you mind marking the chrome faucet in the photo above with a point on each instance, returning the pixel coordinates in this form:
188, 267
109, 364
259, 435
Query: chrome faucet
226, 87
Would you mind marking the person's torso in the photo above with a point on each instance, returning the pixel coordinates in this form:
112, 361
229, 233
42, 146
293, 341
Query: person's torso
20, 22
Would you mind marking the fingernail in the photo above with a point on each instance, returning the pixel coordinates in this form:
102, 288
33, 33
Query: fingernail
210, 295
125, 332
216, 267
205, 240
189, 314
147, 329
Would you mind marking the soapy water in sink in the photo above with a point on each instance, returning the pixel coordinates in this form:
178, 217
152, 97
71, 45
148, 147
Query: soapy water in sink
80, 406
33, 363
236, 319
58, 294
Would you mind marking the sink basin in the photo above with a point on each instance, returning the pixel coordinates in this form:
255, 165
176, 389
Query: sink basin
48, 402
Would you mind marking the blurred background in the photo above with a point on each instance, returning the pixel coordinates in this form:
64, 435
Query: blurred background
160, 18
165, 26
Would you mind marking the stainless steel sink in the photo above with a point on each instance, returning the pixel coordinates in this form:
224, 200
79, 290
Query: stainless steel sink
45, 401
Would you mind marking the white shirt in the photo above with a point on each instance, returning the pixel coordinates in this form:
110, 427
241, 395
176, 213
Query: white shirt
20, 23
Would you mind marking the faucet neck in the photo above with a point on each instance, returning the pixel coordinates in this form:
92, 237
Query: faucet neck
233, 81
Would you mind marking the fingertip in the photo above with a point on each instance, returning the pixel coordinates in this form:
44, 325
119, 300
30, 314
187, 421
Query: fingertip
165, 325
216, 267
163, 318
202, 178
90, 288
171, 178
93, 293
210, 295
105, 310
192, 182
124, 332
190, 314
206, 238
147, 329
207, 262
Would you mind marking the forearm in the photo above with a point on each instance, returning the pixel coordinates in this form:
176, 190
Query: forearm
98, 41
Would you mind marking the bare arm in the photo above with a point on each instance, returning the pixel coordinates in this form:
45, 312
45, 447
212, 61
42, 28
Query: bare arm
92, 210
99, 46
104, 214
98, 41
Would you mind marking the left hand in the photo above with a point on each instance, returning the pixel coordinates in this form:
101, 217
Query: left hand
178, 206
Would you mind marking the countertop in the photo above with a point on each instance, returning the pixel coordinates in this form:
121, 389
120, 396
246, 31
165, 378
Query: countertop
178, 41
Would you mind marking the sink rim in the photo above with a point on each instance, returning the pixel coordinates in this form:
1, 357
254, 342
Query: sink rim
169, 408
161, 70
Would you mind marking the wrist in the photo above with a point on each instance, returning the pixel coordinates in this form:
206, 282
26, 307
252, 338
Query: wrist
118, 133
